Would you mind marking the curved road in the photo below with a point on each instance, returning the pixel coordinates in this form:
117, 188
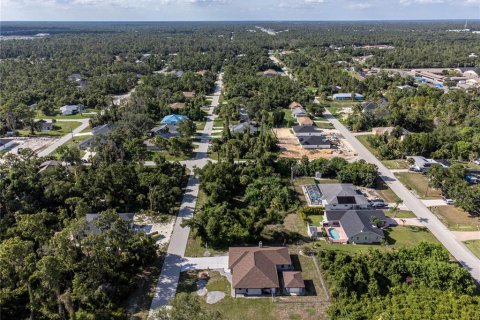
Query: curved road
428, 219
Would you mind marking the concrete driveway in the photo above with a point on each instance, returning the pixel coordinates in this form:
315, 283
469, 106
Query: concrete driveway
205, 263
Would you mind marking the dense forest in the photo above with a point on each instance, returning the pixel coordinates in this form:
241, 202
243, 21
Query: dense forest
418, 282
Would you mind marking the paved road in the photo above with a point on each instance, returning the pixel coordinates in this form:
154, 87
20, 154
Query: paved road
172, 266
51, 148
445, 236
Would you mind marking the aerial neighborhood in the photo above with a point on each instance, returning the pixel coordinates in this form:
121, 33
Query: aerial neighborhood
232, 170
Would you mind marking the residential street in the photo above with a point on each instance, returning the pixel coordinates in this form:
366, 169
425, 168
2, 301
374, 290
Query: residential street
172, 266
51, 148
445, 236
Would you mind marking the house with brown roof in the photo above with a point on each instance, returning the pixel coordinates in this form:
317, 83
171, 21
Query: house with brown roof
270, 73
188, 94
304, 121
293, 283
294, 105
177, 106
258, 271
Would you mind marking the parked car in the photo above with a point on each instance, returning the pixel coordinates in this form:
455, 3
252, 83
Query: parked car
378, 203
476, 161
448, 200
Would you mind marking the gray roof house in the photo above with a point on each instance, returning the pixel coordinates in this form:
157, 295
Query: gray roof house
97, 131
354, 226
92, 217
70, 109
342, 196
165, 130
306, 131
243, 127
44, 125
6, 143
314, 142
299, 112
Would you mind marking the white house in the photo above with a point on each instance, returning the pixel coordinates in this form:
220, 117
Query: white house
306, 131
342, 196
314, 142
70, 109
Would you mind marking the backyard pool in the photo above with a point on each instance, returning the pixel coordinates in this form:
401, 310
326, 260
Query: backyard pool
333, 233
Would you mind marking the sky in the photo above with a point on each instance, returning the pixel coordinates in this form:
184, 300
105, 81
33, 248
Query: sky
236, 10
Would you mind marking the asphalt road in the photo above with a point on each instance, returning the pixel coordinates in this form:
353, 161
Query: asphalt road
172, 266
428, 219
51, 148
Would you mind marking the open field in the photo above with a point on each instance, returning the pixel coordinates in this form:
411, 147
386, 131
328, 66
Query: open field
60, 128
396, 164
324, 125
364, 141
401, 214
419, 184
474, 246
456, 219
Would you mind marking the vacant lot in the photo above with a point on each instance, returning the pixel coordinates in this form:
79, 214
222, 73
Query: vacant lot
474, 246
418, 183
456, 218
396, 164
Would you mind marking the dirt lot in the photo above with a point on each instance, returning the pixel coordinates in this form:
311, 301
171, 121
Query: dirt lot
290, 147
35, 143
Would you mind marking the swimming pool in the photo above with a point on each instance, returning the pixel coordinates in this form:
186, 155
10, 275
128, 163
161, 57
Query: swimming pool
333, 233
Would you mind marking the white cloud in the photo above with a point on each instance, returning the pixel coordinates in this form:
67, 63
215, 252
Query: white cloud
359, 5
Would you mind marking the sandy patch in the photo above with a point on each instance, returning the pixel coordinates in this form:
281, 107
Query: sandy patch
152, 225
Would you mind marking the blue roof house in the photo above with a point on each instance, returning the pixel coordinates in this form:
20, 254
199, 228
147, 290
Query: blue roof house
173, 119
347, 96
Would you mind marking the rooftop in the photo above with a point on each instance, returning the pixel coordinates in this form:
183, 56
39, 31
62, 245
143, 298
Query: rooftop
341, 193
306, 129
314, 140
356, 221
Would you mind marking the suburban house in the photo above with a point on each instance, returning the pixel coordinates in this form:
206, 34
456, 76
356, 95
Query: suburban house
342, 196
305, 121
347, 96
97, 131
44, 125
303, 131
260, 271
70, 109
243, 127
173, 119
92, 217
354, 226
243, 115
270, 73
6, 143
177, 106
165, 131
314, 142
294, 105
422, 164
299, 112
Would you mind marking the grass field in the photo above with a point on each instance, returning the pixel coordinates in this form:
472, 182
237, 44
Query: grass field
59, 129
401, 214
456, 219
200, 125
385, 192
41, 115
474, 246
396, 237
363, 140
169, 157
396, 164
419, 184
324, 125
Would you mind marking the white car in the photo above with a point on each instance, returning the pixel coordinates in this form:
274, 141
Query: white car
449, 201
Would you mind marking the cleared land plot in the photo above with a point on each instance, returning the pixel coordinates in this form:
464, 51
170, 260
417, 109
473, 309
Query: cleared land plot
456, 219
474, 246
396, 164
290, 147
418, 183
402, 214
396, 237
324, 125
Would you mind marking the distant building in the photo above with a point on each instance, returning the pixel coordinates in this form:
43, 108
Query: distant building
270, 73
173, 119
294, 105
314, 142
382, 130
422, 164
166, 130
243, 127
176, 106
304, 131
347, 96
305, 121
342, 196
189, 94
243, 115
97, 131
44, 125
299, 112
6, 143
71, 109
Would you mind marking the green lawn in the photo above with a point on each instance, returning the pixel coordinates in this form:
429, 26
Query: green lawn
41, 115
196, 249
218, 122
396, 164
401, 214
315, 219
474, 246
396, 237
456, 219
59, 129
385, 192
169, 157
324, 125
363, 140
200, 125
419, 184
